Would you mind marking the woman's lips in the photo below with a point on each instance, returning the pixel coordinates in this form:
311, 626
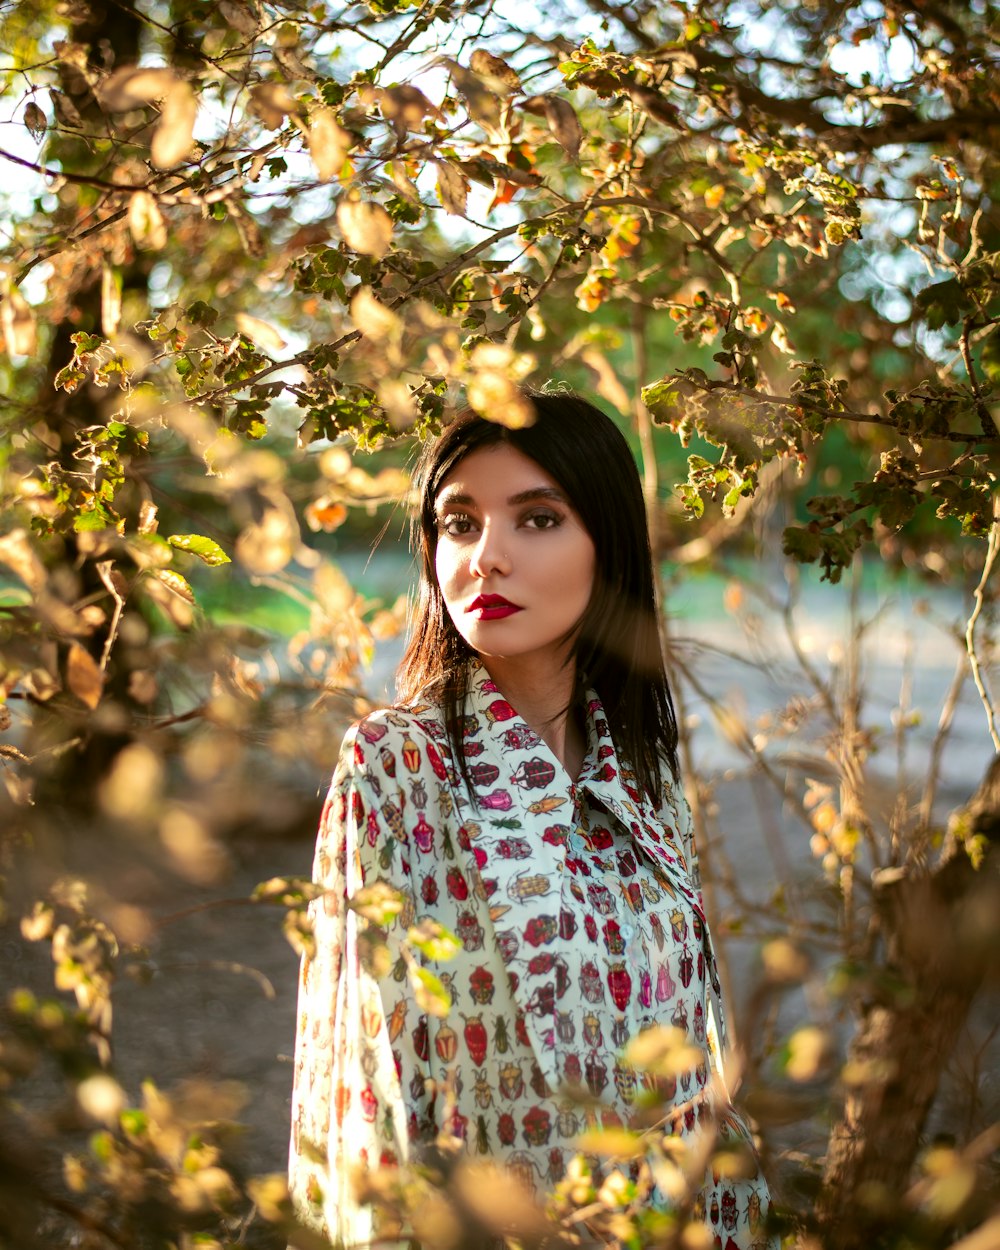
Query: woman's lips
491, 608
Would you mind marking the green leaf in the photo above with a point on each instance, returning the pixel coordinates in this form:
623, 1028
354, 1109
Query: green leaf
173, 581
431, 996
206, 549
433, 940
377, 902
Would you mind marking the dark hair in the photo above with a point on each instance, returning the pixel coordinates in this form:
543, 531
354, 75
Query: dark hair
617, 645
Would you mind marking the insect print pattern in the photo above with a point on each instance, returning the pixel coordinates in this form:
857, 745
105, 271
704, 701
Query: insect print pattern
580, 920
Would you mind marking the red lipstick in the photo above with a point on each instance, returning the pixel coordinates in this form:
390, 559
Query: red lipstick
491, 607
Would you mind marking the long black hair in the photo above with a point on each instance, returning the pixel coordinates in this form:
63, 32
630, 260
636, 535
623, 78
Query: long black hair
616, 645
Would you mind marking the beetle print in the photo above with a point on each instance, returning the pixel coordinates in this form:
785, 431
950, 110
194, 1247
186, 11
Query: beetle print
577, 911
534, 774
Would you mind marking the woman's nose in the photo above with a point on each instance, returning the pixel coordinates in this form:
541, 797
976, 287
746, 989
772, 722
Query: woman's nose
488, 555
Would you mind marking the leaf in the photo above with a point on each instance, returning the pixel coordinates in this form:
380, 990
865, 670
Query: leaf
433, 940
173, 137
367, 228
35, 120
406, 107
173, 581
18, 554
431, 996
611, 1143
133, 86
145, 221
494, 72
19, 330
271, 102
240, 16
329, 143
403, 184
372, 318
377, 902
483, 105
206, 549
562, 119
84, 676
452, 188
111, 300
608, 385
261, 333
67, 114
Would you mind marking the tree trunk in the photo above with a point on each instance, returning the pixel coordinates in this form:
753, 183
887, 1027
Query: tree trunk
942, 931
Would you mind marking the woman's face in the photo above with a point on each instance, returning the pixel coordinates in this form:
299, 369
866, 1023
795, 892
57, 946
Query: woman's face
514, 562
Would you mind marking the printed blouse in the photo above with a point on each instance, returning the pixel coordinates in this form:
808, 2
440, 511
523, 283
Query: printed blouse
580, 919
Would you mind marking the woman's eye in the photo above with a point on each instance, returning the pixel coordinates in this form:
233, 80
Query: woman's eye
455, 526
543, 520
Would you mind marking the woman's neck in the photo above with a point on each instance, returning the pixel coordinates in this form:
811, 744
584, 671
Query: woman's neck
545, 701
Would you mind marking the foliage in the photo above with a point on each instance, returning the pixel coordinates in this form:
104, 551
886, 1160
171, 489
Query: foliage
248, 241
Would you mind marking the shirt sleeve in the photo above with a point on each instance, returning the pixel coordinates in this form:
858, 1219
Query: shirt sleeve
347, 1106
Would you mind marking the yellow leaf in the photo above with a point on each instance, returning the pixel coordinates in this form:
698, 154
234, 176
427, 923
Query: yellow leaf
367, 228
111, 300
19, 330
329, 143
614, 1143
259, 332
430, 995
271, 101
714, 196
806, 1053
84, 676
145, 221
372, 318
173, 137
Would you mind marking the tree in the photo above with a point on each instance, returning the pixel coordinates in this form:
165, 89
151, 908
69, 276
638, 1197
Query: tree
669, 203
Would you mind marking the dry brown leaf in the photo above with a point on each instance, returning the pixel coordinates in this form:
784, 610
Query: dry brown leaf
173, 137
483, 105
240, 16
133, 86
452, 188
406, 107
367, 228
271, 102
35, 120
259, 332
146, 223
84, 676
496, 73
329, 143
608, 386
565, 124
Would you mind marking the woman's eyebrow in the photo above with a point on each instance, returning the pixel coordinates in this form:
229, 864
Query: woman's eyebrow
539, 492
448, 498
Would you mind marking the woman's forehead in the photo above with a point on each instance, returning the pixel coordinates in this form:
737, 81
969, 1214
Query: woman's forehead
494, 472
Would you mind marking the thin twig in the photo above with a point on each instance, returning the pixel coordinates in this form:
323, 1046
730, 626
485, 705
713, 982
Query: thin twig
993, 546
945, 721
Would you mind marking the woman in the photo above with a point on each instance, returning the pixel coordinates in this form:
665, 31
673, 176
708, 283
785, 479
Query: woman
524, 793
